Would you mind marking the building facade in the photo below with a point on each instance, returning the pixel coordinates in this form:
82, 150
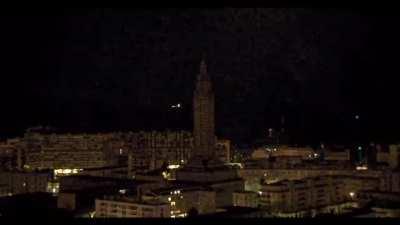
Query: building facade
184, 199
247, 199
299, 195
143, 150
65, 151
125, 207
25, 182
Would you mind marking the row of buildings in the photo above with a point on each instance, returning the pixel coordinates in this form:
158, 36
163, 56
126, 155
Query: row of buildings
141, 150
378, 156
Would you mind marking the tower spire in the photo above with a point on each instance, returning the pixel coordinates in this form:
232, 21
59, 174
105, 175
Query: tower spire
203, 75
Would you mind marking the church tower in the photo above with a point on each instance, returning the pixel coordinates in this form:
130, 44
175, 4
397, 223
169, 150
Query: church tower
203, 109
204, 167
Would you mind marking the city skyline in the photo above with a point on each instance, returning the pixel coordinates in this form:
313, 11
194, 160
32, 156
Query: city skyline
200, 113
86, 72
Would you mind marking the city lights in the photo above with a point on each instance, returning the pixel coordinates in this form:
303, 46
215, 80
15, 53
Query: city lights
176, 106
171, 167
362, 168
139, 129
240, 165
65, 172
166, 175
92, 214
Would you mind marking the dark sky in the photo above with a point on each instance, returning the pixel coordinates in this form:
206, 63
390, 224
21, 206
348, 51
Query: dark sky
109, 69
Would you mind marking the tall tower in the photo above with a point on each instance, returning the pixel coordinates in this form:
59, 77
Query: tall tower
203, 108
204, 167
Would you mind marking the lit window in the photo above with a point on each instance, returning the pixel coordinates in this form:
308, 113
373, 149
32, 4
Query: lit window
361, 168
172, 203
173, 167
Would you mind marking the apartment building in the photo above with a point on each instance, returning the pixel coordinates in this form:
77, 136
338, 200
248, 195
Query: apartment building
126, 207
299, 195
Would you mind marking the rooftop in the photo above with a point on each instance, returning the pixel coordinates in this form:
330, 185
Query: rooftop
132, 199
105, 168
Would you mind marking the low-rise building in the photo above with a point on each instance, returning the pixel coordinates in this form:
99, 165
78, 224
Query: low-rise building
184, 199
82, 201
300, 195
26, 182
247, 199
284, 151
125, 207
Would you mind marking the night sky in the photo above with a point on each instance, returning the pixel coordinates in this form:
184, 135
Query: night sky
110, 70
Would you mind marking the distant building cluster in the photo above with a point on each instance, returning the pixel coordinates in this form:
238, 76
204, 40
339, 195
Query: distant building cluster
173, 174
67, 153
